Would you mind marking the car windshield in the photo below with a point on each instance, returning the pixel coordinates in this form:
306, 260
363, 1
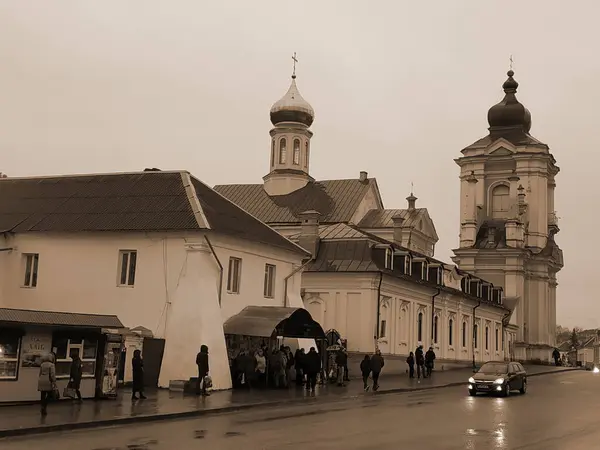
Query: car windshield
494, 368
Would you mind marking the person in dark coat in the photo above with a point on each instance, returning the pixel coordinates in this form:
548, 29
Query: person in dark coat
313, 367
556, 356
377, 364
202, 363
429, 359
299, 358
137, 364
420, 360
76, 375
365, 369
341, 360
411, 364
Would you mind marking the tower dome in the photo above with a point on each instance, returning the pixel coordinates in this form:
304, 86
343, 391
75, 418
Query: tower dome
292, 108
509, 112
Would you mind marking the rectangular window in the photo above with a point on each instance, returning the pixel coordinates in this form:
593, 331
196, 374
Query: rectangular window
67, 348
269, 286
497, 332
9, 357
31, 261
127, 267
382, 329
234, 275
487, 338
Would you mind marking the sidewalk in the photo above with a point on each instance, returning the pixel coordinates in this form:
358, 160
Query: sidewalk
162, 404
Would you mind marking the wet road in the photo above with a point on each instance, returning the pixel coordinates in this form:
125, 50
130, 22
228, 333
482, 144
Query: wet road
558, 412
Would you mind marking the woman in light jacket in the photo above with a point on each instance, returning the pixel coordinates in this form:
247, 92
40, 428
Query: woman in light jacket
46, 381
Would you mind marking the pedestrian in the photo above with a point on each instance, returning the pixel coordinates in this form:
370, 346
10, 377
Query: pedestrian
261, 368
365, 369
377, 364
341, 361
290, 366
202, 364
429, 359
76, 374
411, 364
137, 364
420, 360
299, 358
47, 382
556, 356
313, 367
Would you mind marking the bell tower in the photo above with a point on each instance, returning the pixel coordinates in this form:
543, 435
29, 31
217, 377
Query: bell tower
508, 224
291, 117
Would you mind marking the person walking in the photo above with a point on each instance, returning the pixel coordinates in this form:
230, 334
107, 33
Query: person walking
202, 363
341, 360
261, 368
411, 364
313, 367
76, 374
137, 364
46, 382
365, 369
377, 363
299, 366
420, 360
556, 356
429, 359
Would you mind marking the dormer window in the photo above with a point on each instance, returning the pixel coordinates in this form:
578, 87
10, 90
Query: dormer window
282, 150
389, 259
419, 268
497, 295
435, 274
464, 285
403, 261
475, 288
296, 159
486, 291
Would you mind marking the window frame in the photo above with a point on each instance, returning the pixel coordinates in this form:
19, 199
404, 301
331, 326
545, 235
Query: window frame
475, 338
436, 321
497, 338
15, 360
296, 151
130, 273
382, 328
78, 344
31, 266
282, 156
500, 200
487, 338
389, 259
234, 284
464, 334
269, 282
450, 332
420, 327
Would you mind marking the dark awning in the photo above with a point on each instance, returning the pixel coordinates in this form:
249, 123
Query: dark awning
273, 321
14, 317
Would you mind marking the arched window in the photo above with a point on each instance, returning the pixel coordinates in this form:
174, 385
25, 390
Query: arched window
420, 327
273, 152
500, 202
435, 330
450, 332
497, 338
475, 333
306, 154
487, 338
464, 334
282, 150
296, 151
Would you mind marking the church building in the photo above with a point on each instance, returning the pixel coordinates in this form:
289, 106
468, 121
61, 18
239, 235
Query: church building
373, 276
508, 222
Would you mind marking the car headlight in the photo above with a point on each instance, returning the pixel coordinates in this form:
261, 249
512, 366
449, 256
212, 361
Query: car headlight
471, 380
499, 381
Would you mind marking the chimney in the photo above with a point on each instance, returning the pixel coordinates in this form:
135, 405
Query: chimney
398, 221
363, 176
309, 232
412, 200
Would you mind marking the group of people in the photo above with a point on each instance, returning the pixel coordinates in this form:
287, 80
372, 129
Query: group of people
423, 361
278, 368
372, 366
47, 380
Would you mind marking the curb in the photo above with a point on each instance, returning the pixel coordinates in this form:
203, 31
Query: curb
43, 429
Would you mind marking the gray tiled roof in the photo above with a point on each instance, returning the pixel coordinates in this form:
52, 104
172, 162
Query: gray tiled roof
516, 137
27, 316
141, 201
336, 200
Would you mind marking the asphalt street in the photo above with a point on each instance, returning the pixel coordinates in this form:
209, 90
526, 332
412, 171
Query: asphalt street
558, 412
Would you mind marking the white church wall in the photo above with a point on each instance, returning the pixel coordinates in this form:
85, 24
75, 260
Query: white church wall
78, 272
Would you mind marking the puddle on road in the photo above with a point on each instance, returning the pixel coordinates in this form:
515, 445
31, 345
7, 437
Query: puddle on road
199, 434
233, 433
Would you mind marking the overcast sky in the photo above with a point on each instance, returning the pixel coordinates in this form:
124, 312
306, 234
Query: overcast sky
399, 88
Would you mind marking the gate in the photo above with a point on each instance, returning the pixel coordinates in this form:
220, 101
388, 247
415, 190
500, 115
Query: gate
153, 351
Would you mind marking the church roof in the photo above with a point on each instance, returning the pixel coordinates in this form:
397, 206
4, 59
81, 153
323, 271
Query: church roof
335, 200
382, 218
140, 201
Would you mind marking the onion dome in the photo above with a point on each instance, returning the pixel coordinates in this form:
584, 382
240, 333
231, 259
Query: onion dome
509, 112
292, 108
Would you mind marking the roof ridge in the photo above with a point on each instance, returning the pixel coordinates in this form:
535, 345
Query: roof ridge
192, 197
98, 174
58, 312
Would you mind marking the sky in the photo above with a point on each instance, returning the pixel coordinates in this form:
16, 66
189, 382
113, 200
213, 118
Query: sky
398, 87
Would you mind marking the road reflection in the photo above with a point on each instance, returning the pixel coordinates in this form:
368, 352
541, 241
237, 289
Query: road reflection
480, 409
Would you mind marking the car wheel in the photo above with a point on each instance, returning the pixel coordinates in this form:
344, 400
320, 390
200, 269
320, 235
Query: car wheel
472, 393
507, 390
523, 390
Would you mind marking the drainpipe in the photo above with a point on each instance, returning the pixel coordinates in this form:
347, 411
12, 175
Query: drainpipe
285, 280
433, 312
473, 337
504, 325
219, 264
379, 303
